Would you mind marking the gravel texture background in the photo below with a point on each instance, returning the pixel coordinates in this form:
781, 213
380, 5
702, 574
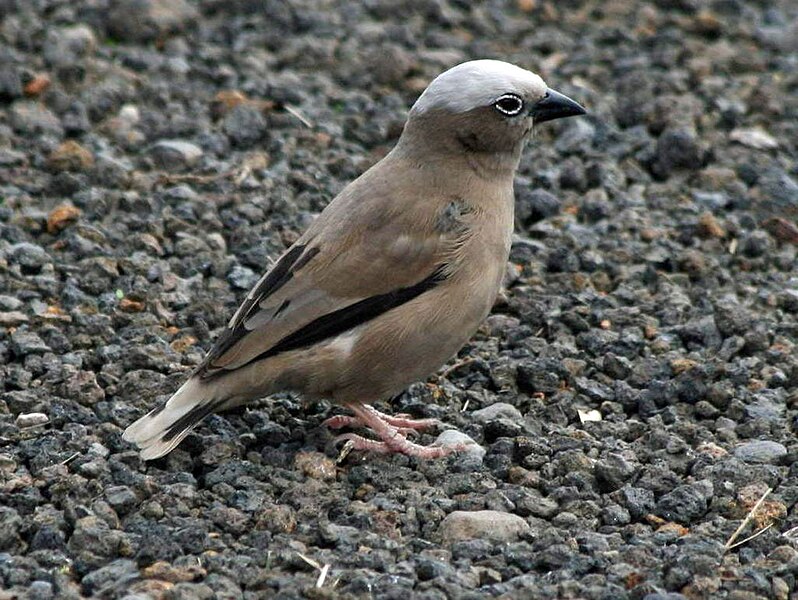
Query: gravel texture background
634, 390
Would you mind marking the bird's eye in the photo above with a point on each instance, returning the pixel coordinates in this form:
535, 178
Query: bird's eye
509, 104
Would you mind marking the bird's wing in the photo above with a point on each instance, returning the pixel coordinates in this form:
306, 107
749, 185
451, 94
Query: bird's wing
353, 264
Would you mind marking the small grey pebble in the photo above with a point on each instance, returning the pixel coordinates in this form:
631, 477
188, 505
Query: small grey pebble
174, 154
481, 524
760, 452
496, 411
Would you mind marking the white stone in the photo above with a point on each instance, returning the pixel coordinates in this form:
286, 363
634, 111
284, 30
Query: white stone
31, 420
483, 524
452, 437
756, 138
498, 410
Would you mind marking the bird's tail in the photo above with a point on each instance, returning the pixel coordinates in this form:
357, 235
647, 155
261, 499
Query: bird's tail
160, 430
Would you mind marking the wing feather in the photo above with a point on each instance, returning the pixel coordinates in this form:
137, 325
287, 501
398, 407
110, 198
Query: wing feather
361, 257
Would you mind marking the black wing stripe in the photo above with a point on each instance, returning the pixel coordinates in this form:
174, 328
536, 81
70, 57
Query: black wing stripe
191, 418
276, 278
349, 317
282, 307
305, 258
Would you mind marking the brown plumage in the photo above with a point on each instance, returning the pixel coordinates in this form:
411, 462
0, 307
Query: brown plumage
394, 275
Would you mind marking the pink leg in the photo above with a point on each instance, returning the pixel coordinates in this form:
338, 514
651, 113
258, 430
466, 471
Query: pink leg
392, 438
340, 421
406, 422
403, 422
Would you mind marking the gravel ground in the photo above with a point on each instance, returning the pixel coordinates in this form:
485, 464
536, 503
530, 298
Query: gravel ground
635, 390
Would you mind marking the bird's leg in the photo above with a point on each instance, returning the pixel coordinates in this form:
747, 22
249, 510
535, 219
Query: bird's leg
392, 437
341, 421
404, 422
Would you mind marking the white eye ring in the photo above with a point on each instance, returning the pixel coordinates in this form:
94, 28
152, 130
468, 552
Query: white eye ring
509, 104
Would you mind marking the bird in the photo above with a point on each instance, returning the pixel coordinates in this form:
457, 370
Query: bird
390, 280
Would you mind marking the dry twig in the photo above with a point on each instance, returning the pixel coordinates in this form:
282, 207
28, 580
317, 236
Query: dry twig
66, 461
322, 575
750, 537
294, 112
730, 543
323, 570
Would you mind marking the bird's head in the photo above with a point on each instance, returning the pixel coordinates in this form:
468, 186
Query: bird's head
486, 106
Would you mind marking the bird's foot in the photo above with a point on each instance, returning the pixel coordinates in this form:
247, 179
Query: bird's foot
405, 424
392, 432
398, 444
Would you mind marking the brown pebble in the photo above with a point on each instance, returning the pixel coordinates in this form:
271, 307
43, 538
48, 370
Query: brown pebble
710, 227
277, 519
323, 139
649, 234
692, 262
61, 217
659, 346
601, 281
523, 477
164, 571
55, 313
712, 450
315, 465
364, 491
227, 100
70, 156
707, 23
37, 85
769, 512
671, 527
680, 365
151, 588
131, 306
782, 229
182, 344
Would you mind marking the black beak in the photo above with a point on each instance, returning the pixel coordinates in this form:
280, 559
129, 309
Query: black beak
555, 105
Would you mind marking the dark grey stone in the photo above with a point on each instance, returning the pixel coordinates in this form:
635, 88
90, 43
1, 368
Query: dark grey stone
613, 472
245, 126
147, 20
10, 525
24, 342
29, 256
534, 204
686, 502
677, 148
